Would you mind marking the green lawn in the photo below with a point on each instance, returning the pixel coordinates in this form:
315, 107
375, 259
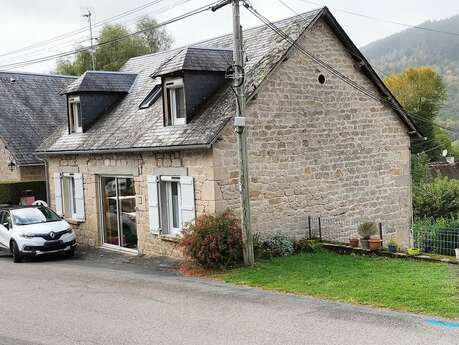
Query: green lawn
415, 286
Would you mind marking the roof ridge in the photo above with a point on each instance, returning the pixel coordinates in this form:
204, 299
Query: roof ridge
39, 74
192, 45
108, 72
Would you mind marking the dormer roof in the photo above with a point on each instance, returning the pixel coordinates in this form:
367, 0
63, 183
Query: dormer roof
101, 81
196, 59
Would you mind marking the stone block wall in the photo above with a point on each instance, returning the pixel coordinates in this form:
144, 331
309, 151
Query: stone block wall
198, 164
319, 149
5, 174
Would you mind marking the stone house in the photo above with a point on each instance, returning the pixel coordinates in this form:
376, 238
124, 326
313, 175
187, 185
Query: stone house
152, 146
31, 108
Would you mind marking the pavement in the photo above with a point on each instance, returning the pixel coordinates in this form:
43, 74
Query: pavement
105, 298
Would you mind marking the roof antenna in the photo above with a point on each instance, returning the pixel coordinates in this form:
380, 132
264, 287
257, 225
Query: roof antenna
93, 58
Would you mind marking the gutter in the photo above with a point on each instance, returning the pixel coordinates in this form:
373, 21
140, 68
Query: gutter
128, 150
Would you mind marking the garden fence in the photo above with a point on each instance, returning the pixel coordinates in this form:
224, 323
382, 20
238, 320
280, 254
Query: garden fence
338, 230
440, 242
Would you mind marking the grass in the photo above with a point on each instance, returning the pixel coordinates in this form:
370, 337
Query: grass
414, 286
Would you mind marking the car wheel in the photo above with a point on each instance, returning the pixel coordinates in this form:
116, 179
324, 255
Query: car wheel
17, 256
70, 253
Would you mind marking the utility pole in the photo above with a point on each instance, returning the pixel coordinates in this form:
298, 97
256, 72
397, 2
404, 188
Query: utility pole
241, 130
93, 58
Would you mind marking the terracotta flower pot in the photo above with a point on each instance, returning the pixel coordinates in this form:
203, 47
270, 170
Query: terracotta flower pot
354, 242
374, 244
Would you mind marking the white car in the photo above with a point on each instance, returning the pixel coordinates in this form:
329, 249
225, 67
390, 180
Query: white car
35, 230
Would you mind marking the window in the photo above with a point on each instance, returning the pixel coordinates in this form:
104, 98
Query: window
171, 203
69, 196
151, 98
5, 219
175, 102
75, 120
29, 216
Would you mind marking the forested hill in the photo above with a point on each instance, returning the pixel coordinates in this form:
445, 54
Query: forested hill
416, 47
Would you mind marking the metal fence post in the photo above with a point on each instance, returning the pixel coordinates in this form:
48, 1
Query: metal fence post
309, 226
320, 230
380, 233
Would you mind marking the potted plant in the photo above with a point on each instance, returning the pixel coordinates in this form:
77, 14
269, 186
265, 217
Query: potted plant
414, 251
366, 230
354, 242
392, 246
374, 244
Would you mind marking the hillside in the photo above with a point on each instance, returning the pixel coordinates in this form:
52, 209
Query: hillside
415, 47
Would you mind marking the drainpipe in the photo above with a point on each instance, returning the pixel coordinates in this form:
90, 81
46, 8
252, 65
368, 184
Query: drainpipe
45, 161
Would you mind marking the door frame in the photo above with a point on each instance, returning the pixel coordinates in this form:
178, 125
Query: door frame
100, 203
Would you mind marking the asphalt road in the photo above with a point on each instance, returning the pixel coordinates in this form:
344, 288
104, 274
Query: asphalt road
119, 300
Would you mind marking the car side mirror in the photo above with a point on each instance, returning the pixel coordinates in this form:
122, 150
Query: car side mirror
6, 225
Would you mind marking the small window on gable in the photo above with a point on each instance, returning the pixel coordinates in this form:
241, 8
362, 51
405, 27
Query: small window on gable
75, 120
175, 102
151, 98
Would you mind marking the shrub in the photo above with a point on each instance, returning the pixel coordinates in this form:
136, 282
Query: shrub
438, 199
367, 229
277, 245
306, 246
214, 242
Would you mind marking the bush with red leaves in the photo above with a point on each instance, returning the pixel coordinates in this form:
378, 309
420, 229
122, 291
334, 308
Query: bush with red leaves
214, 242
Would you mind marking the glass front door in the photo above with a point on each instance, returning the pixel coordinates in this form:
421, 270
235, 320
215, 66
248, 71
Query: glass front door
119, 213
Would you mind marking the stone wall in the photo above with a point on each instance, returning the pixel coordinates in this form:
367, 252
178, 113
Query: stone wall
319, 149
5, 174
198, 164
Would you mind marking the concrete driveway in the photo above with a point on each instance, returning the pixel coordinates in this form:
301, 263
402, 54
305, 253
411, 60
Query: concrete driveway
116, 299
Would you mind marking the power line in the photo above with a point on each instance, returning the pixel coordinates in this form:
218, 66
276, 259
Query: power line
332, 70
68, 53
60, 47
83, 29
418, 27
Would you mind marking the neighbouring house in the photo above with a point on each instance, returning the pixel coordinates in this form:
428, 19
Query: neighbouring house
449, 169
31, 108
152, 146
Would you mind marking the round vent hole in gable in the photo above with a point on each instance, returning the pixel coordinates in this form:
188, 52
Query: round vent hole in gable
321, 78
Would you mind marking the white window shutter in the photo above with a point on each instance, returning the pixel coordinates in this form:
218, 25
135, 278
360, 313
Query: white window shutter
188, 202
153, 205
58, 194
79, 198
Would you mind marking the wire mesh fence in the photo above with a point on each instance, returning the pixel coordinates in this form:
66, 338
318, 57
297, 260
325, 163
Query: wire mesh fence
440, 242
429, 240
338, 230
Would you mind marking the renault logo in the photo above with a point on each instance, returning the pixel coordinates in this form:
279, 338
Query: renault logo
52, 235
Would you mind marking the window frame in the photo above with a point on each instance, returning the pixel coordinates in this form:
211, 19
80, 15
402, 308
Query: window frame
165, 203
75, 120
68, 201
171, 86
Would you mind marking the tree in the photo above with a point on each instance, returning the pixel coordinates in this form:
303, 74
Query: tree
112, 56
421, 92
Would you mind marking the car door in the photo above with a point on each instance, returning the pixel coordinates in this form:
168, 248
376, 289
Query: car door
5, 231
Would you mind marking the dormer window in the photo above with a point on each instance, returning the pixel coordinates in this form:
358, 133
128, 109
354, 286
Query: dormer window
75, 120
175, 102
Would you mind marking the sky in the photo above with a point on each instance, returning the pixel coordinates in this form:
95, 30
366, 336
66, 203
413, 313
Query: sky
28, 22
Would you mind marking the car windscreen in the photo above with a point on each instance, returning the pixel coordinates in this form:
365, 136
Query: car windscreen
34, 215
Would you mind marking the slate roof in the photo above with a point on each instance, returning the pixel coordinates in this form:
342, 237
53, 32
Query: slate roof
101, 81
128, 128
31, 108
197, 59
